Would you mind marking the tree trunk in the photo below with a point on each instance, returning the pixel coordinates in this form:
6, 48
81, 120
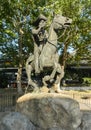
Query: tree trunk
64, 55
19, 74
65, 49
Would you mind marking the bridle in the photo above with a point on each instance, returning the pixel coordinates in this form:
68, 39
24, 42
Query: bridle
50, 42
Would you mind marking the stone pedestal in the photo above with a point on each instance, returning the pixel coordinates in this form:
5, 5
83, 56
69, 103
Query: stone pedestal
50, 111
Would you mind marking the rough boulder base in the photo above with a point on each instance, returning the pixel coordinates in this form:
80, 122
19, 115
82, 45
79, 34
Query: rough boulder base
50, 111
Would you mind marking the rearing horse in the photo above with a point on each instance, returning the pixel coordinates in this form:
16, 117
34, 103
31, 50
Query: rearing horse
49, 57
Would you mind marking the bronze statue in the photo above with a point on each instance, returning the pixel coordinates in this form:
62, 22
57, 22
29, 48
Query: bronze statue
49, 57
39, 37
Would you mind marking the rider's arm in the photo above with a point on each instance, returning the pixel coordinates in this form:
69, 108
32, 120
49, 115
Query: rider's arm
36, 31
41, 26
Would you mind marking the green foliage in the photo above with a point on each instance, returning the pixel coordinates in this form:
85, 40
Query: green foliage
87, 81
17, 17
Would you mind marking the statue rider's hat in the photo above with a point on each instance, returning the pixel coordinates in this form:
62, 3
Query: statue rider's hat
41, 17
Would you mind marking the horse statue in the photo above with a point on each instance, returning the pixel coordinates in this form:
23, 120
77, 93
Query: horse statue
49, 57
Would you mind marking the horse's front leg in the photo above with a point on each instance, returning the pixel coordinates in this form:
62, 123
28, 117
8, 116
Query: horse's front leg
46, 78
51, 76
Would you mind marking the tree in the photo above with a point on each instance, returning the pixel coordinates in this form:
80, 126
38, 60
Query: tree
12, 30
16, 22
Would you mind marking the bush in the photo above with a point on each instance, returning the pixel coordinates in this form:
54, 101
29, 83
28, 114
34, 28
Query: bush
87, 81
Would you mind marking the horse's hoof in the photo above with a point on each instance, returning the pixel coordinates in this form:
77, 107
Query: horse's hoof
58, 91
37, 73
51, 90
36, 90
51, 80
44, 89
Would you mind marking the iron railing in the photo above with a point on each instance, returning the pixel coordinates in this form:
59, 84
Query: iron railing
8, 99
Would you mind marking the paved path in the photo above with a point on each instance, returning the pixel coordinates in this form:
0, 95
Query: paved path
85, 107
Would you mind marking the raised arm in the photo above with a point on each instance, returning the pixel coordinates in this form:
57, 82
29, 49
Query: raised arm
36, 31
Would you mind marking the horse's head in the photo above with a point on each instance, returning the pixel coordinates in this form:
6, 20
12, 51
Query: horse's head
61, 22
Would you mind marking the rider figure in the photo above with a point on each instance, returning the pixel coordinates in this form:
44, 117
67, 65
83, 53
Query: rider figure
40, 37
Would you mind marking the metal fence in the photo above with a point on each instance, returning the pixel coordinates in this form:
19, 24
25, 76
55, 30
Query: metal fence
7, 99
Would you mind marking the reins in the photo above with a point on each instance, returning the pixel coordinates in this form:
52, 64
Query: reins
57, 38
52, 44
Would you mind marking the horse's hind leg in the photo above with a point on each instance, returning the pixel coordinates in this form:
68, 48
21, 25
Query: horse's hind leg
29, 70
59, 77
28, 89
